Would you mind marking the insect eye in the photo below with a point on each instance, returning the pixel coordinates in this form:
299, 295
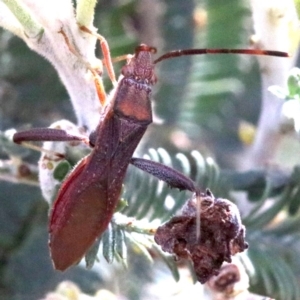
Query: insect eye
126, 71
92, 139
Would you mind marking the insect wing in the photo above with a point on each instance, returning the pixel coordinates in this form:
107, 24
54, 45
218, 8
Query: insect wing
78, 216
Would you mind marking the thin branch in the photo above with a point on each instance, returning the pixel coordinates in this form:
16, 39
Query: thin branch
85, 12
272, 21
30, 25
31, 18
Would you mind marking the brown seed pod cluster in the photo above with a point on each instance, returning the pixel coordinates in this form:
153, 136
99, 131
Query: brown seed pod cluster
220, 234
231, 281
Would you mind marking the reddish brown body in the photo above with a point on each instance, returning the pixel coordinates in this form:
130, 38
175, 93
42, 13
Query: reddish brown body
88, 197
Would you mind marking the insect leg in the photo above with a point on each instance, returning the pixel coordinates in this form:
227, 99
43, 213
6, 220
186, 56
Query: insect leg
46, 134
61, 131
107, 61
172, 177
97, 80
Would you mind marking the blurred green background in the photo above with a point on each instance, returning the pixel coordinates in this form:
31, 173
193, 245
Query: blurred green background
198, 103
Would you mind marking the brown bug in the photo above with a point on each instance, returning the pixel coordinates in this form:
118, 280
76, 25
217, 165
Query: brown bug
88, 197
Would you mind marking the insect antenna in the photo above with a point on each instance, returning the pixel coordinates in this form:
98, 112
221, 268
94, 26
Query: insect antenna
177, 53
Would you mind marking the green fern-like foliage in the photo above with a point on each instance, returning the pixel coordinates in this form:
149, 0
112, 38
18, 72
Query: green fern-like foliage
207, 91
217, 81
272, 225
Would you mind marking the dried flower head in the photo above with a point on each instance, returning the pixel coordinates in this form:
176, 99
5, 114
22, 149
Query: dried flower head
208, 243
231, 281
